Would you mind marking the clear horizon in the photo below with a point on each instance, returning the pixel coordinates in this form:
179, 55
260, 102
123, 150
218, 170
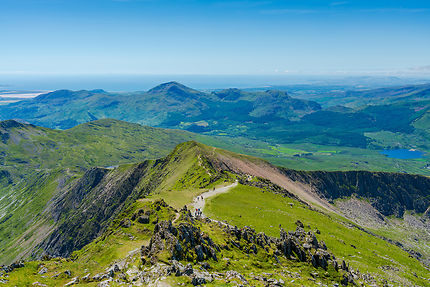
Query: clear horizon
149, 37
206, 82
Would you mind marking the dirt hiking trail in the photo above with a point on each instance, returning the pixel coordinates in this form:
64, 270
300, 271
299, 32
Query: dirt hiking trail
200, 201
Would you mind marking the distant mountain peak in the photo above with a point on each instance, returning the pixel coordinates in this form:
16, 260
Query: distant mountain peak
173, 88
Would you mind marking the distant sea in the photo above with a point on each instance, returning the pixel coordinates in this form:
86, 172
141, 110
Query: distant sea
203, 82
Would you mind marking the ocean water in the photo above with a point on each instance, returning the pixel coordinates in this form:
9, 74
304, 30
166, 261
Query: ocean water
112, 82
128, 83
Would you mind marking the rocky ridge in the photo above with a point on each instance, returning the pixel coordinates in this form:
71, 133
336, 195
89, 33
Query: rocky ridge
186, 242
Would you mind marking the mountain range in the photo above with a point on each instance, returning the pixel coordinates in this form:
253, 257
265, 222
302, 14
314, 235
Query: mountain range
168, 104
274, 125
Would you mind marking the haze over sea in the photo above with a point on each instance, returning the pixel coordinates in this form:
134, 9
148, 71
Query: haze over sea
124, 82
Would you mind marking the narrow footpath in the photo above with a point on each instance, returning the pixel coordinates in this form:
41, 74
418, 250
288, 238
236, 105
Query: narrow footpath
200, 201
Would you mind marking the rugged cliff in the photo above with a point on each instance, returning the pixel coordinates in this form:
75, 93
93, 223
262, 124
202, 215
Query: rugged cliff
389, 193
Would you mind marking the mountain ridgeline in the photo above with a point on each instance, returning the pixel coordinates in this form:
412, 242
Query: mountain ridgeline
99, 216
25, 148
168, 104
269, 115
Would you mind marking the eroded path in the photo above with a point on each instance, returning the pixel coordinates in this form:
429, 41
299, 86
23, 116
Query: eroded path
200, 201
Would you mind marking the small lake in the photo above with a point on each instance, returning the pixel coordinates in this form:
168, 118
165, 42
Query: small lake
403, 153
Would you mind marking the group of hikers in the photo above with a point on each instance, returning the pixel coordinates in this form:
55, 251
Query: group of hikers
198, 212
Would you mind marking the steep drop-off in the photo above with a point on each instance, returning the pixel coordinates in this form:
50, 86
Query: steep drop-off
390, 193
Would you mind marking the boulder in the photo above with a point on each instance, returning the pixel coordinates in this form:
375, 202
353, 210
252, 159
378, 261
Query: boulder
144, 219
73, 282
188, 270
42, 270
299, 224
196, 281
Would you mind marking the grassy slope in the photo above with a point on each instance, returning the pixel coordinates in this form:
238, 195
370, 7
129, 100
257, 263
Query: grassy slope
102, 143
265, 211
187, 174
183, 175
122, 244
41, 161
22, 224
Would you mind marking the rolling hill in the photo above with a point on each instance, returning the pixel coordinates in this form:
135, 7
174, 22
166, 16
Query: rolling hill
25, 148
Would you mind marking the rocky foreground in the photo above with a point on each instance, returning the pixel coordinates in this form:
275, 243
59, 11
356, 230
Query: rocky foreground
197, 251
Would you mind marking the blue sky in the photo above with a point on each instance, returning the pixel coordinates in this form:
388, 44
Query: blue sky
214, 37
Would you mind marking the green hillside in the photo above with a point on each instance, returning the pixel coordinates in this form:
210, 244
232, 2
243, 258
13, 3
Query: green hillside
109, 217
251, 206
25, 148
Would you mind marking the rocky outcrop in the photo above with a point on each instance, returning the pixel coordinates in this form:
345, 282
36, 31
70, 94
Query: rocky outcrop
11, 267
184, 242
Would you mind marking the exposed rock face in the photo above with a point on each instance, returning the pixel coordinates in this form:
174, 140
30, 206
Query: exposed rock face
362, 212
73, 198
389, 193
184, 242
86, 209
